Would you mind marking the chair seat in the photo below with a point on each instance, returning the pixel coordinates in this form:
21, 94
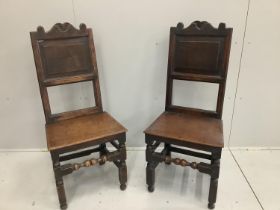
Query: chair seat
81, 130
188, 127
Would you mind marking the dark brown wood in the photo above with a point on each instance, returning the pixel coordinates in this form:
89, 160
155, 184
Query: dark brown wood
122, 165
66, 55
188, 127
215, 170
73, 114
151, 165
103, 152
199, 52
78, 154
195, 77
59, 180
115, 144
189, 152
67, 80
80, 130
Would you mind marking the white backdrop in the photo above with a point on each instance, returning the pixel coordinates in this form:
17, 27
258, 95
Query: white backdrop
131, 39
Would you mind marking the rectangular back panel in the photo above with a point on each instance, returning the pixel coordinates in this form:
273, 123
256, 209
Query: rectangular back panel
67, 57
198, 55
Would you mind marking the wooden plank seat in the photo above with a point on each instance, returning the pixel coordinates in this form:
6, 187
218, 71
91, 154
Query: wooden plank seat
188, 127
81, 130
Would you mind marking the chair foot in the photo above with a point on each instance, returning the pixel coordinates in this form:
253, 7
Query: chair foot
123, 175
215, 167
59, 181
150, 168
123, 187
211, 205
63, 206
150, 176
61, 194
151, 188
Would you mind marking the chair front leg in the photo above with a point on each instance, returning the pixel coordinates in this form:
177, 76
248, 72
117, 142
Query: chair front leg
150, 176
59, 180
123, 175
151, 165
122, 164
215, 170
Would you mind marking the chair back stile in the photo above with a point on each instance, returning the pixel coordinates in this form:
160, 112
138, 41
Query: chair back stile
199, 52
65, 55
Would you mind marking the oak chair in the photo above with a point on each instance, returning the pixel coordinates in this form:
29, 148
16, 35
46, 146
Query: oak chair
199, 52
65, 55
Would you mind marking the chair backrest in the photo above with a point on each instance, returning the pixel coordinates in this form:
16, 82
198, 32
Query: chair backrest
199, 52
65, 55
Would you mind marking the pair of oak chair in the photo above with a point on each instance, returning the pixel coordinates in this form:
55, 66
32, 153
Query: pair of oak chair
65, 55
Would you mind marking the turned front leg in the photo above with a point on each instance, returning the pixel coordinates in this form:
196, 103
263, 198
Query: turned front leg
150, 176
151, 165
59, 181
122, 164
123, 175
